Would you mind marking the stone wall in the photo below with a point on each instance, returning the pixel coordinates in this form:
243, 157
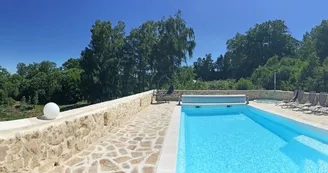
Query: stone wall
252, 94
49, 143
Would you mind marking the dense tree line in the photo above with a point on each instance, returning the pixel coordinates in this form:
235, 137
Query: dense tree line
42, 82
117, 63
114, 64
252, 58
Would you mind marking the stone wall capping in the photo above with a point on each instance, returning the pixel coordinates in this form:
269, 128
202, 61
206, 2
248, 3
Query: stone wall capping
35, 145
9, 128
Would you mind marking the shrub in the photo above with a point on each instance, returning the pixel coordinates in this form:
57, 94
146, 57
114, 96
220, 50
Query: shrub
244, 84
3, 96
222, 84
23, 99
26, 107
10, 101
35, 99
199, 85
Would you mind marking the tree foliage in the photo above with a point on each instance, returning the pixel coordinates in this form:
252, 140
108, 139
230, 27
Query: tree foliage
100, 61
268, 48
117, 64
72, 63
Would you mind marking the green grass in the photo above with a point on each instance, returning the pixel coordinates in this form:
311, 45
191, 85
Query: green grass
20, 111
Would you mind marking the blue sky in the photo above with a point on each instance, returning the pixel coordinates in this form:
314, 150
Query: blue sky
55, 30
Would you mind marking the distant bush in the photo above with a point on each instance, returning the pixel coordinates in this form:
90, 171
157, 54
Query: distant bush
3, 96
189, 85
10, 101
199, 85
222, 84
26, 108
244, 84
229, 84
23, 99
35, 99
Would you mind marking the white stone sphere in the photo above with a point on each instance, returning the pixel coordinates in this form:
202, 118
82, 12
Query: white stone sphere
51, 110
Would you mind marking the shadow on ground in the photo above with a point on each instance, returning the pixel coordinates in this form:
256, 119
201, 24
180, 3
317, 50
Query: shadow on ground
66, 108
159, 103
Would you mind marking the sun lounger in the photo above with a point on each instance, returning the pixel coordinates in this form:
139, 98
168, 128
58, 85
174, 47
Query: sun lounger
293, 99
321, 103
299, 98
323, 110
167, 93
310, 102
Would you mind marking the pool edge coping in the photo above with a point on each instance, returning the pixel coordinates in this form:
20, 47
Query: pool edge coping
168, 157
291, 117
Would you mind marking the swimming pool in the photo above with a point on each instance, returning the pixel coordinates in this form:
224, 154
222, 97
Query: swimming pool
245, 139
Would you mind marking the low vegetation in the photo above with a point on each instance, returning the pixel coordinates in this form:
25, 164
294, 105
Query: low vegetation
20, 110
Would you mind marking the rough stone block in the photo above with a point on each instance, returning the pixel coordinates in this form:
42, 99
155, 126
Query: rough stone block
3, 152
15, 165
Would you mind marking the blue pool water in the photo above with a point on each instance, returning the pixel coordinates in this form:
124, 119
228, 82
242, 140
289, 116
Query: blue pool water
245, 139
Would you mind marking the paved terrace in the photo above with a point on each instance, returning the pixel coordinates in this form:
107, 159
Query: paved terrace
134, 146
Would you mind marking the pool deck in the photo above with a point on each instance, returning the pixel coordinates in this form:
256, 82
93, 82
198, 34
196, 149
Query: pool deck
310, 119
